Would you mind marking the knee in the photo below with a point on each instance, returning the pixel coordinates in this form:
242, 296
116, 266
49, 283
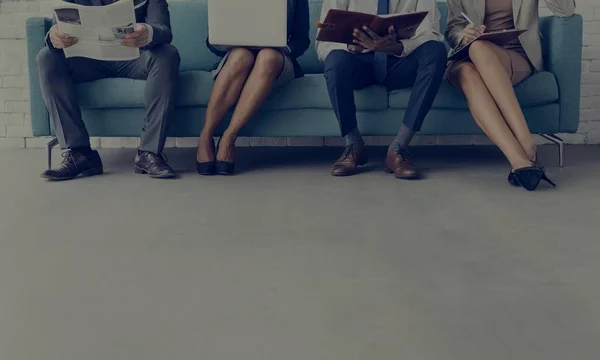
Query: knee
467, 75
479, 48
434, 52
50, 63
269, 61
165, 56
240, 60
337, 65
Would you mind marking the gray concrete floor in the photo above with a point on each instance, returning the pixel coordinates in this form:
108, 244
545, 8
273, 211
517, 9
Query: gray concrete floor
287, 262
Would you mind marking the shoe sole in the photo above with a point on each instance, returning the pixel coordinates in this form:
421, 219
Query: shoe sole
404, 177
86, 173
144, 172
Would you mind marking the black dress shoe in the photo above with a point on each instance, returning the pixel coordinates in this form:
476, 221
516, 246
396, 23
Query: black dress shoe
75, 164
154, 165
530, 177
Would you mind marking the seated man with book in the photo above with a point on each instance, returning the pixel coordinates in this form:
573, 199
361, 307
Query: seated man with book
158, 63
389, 60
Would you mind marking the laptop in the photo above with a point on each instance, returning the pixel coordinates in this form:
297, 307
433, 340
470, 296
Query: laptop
251, 23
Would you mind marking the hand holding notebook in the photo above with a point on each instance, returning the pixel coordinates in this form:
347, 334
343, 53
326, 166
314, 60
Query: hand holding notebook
473, 33
500, 38
339, 25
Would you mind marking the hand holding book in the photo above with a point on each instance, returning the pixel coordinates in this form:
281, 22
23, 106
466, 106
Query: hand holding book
339, 25
367, 39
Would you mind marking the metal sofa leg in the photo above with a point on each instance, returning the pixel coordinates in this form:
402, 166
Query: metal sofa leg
51, 144
561, 147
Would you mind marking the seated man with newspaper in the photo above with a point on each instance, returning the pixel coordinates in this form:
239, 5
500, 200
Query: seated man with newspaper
97, 39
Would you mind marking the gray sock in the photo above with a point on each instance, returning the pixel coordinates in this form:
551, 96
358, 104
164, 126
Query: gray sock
354, 138
402, 140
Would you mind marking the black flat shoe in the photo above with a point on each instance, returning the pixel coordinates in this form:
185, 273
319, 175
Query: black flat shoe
530, 177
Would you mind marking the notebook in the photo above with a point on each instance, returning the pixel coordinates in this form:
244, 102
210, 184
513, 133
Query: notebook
251, 23
501, 37
339, 25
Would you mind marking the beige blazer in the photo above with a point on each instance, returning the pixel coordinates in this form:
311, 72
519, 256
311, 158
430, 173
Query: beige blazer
429, 29
526, 16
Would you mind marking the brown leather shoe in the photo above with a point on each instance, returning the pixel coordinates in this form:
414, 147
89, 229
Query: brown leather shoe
399, 163
348, 163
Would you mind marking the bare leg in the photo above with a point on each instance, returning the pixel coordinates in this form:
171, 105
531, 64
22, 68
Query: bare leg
488, 116
225, 93
267, 67
493, 64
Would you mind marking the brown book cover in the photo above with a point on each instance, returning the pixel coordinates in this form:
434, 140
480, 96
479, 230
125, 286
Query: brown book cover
339, 25
500, 38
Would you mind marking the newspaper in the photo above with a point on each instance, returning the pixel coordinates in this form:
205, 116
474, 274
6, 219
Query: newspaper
98, 29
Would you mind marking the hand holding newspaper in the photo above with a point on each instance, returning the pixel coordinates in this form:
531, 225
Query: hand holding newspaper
98, 30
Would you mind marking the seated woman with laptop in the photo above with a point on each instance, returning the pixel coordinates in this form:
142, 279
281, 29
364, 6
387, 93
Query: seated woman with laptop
490, 71
259, 50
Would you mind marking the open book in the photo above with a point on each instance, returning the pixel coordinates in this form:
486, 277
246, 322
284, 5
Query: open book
501, 38
339, 25
99, 29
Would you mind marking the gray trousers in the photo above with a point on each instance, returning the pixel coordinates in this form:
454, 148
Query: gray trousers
59, 75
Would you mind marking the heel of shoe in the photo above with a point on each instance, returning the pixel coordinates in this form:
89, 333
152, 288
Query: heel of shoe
92, 172
547, 179
205, 168
224, 168
139, 171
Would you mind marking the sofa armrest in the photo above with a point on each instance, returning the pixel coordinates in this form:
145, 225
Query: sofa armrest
36, 40
562, 43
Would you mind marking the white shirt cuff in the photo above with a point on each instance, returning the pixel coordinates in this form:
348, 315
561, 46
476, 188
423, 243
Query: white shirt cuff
150, 33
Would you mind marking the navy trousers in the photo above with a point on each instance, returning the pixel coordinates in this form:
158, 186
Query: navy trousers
423, 69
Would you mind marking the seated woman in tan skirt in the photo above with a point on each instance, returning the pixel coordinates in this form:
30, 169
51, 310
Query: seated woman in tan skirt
487, 77
246, 76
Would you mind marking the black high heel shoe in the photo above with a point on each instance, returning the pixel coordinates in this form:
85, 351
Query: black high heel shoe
206, 168
223, 167
512, 179
530, 177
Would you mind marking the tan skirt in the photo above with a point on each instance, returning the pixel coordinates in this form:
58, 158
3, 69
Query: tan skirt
516, 65
287, 72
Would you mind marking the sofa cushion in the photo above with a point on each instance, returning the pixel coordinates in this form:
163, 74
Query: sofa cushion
539, 89
309, 92
194, 90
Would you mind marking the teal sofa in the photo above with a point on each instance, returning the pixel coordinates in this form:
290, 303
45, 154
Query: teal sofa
114, 107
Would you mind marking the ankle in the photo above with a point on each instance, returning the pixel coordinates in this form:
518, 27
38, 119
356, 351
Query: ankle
206, 136
229, 137
521, 164
395, 146
83, 150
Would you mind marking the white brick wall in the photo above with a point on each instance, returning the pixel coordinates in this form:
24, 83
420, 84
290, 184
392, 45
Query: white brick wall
15, 120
